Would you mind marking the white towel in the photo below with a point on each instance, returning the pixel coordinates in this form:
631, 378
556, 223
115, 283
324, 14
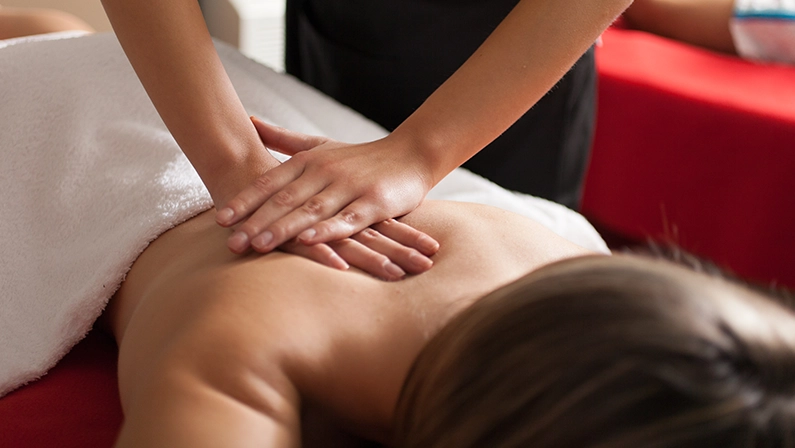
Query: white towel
90, 176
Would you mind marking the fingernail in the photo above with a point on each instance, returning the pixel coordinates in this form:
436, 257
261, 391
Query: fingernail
238, 241
338, 263
428, 244
307, 235
262, 240
394, 270
225, 215
420, 262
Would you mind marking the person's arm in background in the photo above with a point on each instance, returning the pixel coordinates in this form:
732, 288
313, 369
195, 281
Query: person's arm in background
18, 22
699, 22
359, 184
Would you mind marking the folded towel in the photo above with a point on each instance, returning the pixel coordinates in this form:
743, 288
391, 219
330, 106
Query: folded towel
90, 176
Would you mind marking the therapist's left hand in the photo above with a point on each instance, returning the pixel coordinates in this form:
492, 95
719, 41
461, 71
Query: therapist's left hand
327, 191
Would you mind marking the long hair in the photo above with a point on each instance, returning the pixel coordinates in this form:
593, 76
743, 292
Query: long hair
607, 352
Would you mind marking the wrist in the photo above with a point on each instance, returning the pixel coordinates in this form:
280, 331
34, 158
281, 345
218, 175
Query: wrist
433, 145
416, 153
235, 171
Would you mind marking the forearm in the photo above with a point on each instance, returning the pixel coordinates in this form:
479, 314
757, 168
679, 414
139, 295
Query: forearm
522, 59
170, 49
699, 22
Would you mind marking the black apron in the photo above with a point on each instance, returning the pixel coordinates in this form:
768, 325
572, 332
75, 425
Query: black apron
383, 58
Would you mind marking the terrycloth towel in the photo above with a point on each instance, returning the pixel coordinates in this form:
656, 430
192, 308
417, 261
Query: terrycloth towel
90, 176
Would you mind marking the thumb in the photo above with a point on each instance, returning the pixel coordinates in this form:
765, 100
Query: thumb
284, 140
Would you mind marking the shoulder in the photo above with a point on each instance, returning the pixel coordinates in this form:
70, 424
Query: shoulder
457, 221
487, 240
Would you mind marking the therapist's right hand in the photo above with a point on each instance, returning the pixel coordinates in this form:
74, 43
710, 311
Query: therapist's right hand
328, 191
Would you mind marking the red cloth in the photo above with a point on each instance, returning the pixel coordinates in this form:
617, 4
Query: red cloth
75, 405
696, 148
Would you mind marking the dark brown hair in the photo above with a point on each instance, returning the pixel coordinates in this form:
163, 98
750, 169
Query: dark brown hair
612, 352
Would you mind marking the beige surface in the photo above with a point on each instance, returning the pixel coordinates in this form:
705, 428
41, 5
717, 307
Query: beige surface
89, 10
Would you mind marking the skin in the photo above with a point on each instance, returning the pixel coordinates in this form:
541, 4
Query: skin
325, 194
699, 22
387, 250
224, 349
18, 22
218, 349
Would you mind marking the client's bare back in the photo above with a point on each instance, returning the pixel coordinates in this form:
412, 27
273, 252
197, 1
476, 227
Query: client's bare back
240, 344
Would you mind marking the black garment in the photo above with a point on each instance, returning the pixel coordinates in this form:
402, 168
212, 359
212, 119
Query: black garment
383, 58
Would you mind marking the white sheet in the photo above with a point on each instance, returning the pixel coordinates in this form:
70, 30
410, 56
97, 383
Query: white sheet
90, 176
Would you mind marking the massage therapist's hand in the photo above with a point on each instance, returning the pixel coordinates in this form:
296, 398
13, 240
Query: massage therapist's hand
384, 250
327, 191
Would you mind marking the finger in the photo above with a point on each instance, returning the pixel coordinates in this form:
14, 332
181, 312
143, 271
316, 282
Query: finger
366, 259
407, 236
355, 217
320, 253
409, 259
313, 210
284, 140
261, 228
251, 198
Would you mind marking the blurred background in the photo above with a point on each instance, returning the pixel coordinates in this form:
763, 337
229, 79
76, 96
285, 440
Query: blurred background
89, 10
256, 27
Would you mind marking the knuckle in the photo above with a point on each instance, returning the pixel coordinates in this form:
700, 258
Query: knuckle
263, 183
381, 193
284, 198
350, 216
384, 226
369, 234
301, 157
314, 206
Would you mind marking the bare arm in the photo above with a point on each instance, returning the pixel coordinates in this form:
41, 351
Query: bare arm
18, 22
331, 194
525, 56
171, 50
168, 44
698, 22
351, 187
